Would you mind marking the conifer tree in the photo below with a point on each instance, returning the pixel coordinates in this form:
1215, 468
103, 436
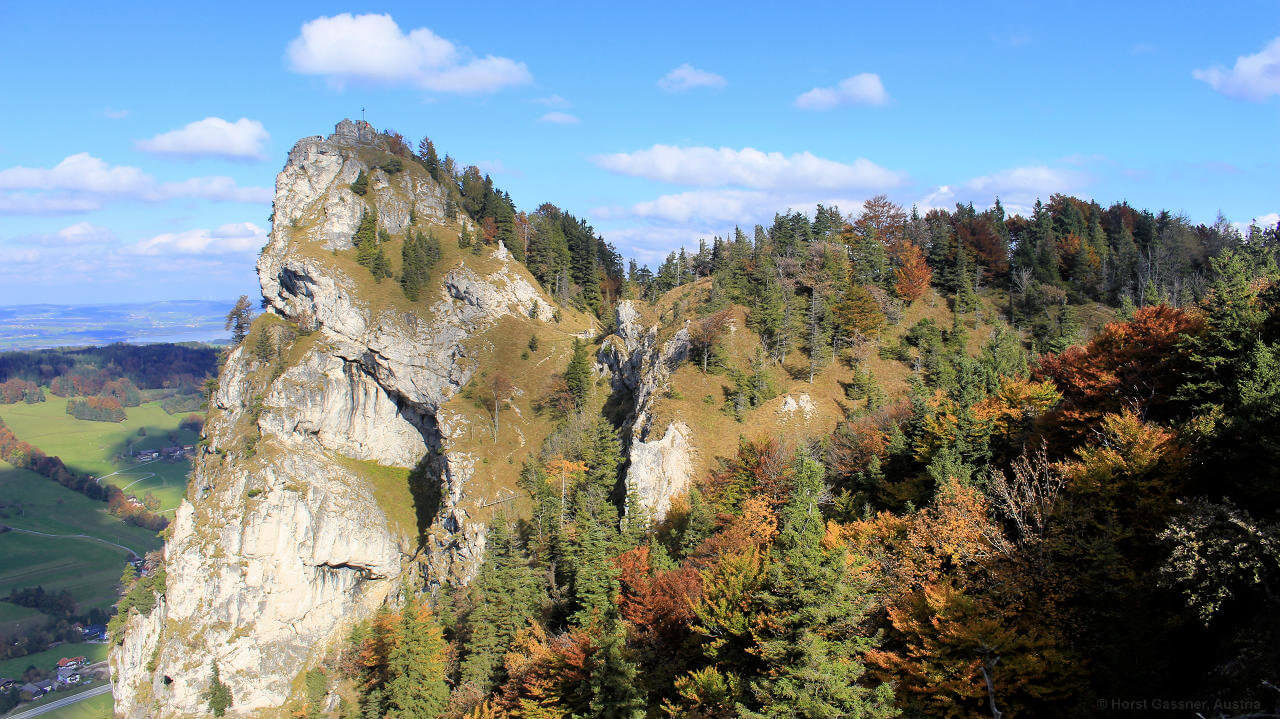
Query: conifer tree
361, 184
578, 374
508, 598
614, 678
218, 694
416, 688
810, 634
238, 320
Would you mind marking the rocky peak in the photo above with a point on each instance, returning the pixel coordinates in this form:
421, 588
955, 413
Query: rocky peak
354, 132
301, 519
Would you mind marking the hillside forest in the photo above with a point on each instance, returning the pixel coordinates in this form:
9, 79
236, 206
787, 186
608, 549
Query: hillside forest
1073, 503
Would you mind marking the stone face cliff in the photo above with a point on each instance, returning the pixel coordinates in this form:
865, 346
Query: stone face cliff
659, 468
297, 521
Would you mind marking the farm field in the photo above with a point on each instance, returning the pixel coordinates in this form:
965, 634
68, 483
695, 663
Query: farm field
49, 657
99, 707
88, 566
93, 447
62, 539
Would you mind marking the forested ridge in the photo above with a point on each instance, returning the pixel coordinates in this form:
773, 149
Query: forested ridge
1080, 513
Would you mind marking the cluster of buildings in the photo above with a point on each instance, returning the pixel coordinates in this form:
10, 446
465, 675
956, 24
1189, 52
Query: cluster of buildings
66, 673
172, 453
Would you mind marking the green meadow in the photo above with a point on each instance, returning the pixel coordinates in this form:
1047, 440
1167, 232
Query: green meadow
99, 707
49, 658
97, 447
62, 539
75, 549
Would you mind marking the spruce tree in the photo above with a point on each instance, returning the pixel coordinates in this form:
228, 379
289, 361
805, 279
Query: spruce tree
810, 634
508, 598
591, 546
217, 695
578, 374
416, 666
614, 678
361, 184
366, 238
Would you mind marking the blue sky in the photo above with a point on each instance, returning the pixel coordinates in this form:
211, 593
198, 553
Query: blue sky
140, 143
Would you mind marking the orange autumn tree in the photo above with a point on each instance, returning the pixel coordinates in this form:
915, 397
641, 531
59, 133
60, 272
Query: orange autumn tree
957, 612
857, 314
1133, 365
762, 468
911, 276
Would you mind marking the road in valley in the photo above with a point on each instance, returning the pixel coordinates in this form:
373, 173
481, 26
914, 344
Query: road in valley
60, 703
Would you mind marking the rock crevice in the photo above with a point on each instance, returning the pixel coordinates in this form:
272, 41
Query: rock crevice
658, 469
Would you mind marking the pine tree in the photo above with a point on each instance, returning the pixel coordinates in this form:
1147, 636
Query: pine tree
591, 547
416, 688
239, 319
217, 695
361, 184
810, 633
430, 160
578, 374
614, 678
366, 237
508, 598
263, 348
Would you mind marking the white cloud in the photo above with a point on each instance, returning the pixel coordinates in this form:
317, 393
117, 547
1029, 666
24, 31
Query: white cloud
559, 118
82, 182
1038, 180
26, 203
701, 206
748, 167
239, 237
112, 114
84, 233
243, 139
687, 77
862, 89
497, 167
18, 256
218, 188
1254, 77
651, 229
373, 48
1265, 222
81, 172
1018, 188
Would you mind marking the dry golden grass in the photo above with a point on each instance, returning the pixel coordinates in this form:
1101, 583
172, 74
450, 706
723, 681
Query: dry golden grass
698, 399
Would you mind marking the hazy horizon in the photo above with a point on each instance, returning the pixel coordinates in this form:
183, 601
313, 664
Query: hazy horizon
159, 187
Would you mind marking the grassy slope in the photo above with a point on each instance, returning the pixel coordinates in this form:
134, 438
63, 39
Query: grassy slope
87, 569
521, 429
99, 707
716, 433
93, 447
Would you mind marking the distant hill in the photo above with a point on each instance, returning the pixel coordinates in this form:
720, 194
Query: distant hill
25, 327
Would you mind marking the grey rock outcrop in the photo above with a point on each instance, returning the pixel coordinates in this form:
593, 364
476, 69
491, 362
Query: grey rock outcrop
288, 535
661, 468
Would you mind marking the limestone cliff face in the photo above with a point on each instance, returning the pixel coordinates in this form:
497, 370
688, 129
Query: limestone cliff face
661, 467
288, 536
